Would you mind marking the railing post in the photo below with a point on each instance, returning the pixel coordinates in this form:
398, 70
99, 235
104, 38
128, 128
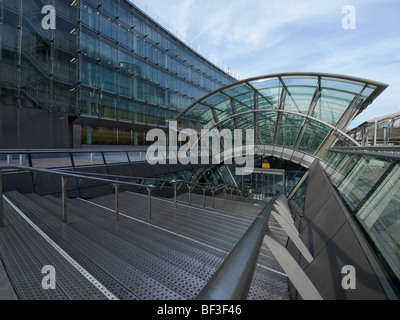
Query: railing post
225, 194
149, 201
64, 198
175, 195
213, 202
1, 201
190, 193
116, 186
204, 197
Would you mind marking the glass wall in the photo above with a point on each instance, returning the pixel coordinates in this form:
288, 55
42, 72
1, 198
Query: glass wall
105, 59
38, 67
132, 69
370, 187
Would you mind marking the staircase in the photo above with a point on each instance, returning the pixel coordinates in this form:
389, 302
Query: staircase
170, 257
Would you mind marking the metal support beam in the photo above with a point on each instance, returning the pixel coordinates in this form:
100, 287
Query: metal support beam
255, 118
279, 116
295, 273
316, 98
235, 120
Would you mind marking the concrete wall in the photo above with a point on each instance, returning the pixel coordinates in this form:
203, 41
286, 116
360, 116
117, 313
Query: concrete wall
334, 240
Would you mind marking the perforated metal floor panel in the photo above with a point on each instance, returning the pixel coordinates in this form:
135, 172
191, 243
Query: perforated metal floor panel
170, 257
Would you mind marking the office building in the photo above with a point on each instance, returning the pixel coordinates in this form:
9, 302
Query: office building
105, 74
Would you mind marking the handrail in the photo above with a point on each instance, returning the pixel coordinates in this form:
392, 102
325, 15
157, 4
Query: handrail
200, 185
174, 182
64, 176
116, 183
233, 279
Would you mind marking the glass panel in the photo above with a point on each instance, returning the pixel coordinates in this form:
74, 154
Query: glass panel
266, 126
302, 97
333, 159
268, 99
245, 101
303, 81
137, 156
115, 157
87, 159
380, 216
331, 106
266, 83
314, 136
299, 197
223, 110
15, 159
361, 179
342, 85
343, 168
289, 129
238, 90
215, 99
53, 160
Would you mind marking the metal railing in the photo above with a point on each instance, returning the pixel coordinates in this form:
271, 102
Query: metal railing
175, 183
116, 183
233, 279
64, 176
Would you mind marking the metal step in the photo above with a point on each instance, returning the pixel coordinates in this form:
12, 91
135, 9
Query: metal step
210, 227
170, 257
24, 253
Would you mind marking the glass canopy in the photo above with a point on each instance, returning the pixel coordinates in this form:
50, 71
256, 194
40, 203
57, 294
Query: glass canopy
304, 112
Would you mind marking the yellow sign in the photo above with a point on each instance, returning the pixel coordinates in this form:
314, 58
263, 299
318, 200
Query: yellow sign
266, 166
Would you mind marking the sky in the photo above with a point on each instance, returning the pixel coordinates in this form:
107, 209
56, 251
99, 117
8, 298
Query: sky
260, 37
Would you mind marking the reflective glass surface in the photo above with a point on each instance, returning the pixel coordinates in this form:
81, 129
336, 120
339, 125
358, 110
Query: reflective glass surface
104, 59
300, 110
370, 187
380, 216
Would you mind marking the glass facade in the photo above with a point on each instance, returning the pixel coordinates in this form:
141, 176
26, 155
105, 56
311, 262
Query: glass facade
38, 66
369, 186
105, 60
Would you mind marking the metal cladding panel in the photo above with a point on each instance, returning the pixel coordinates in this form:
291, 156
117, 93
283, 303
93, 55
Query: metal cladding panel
334, 241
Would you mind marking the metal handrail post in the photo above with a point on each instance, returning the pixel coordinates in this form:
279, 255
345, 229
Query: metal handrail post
213, 198
175, 194
149, 188
190, 193
225, 194
204, 197
64, 198
116, 186
1, 201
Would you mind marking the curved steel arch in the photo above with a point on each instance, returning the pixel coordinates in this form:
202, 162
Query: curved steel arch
382, 86
282, 91
344, 134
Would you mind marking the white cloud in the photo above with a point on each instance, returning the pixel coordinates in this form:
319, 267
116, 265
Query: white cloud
260, 37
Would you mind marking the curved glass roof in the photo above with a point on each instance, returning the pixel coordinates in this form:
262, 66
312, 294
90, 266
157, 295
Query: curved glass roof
303, 112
